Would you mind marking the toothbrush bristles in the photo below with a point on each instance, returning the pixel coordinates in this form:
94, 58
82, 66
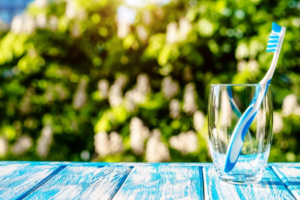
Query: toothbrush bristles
274, 38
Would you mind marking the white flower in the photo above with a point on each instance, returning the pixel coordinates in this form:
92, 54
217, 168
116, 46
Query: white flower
73, 10
53, 23
147, 17
171, 35
22, 145
242, 51
102, 146
108, 144
23, 24
41, 21
115, 95
44, 141
123, 29
289, 104
116, 143
174, 108
189, 99
185, 142
199, 120
156, 151
70, 9
28, 24
125, 17
41, 3
184, 29
121, 80
297, 110
169, 87
134, 96
241, 65
253, 66
138, 134
103, 86
3, 146
278, 123
138, 93
143, 84
16, 25
80, 96
26, 100
142, 33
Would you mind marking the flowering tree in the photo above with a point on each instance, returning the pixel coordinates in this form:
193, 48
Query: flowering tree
114, 82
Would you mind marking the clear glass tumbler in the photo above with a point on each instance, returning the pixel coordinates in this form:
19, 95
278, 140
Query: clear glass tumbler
227, 102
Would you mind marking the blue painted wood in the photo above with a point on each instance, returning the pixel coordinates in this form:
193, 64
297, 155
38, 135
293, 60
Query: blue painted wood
162, 182
69, 180
294, 164
102, 163
290, 176
270, 187
80, 182
17, 179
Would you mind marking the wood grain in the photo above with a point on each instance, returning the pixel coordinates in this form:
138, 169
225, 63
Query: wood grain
80, 182
17, 180
102, 163
270, 187
127, 164
290, 176
162, 182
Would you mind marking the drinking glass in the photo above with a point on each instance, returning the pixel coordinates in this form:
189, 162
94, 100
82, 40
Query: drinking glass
227, 102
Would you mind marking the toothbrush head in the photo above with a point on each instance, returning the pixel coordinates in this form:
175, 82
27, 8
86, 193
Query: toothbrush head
275, 38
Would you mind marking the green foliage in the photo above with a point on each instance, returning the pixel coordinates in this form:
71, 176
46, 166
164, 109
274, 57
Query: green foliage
84, 72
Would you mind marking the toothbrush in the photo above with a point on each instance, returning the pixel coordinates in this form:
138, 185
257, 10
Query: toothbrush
237, 112
234, 107
240, 130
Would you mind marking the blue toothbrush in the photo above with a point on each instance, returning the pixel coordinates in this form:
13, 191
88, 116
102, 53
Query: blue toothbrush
237, 112
233, 106
240, 130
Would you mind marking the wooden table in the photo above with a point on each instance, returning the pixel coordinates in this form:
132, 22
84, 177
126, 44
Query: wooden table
69, 180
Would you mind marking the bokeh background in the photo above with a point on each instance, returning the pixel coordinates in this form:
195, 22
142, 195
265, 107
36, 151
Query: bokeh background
109, 80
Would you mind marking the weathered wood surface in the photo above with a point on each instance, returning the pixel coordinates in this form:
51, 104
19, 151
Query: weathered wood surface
290, 176
270, 187
293, 164
79, 182
162, 182
102, 163
17, 180
68, 180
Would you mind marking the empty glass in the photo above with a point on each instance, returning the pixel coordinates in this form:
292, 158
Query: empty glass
227, 102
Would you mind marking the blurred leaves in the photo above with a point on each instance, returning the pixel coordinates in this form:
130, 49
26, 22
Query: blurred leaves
155, 70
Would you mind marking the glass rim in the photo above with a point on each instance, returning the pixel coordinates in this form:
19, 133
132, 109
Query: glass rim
228, 84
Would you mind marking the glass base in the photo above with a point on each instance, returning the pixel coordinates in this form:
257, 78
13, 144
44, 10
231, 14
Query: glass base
241, 179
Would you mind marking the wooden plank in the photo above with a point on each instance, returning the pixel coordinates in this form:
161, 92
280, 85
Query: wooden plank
162, 182
290, 176
103, 164
80, 182
17, 180
127, 163
270, 187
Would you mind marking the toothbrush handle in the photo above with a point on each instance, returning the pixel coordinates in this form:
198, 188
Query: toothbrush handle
237, 139
234, 107
241, 129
